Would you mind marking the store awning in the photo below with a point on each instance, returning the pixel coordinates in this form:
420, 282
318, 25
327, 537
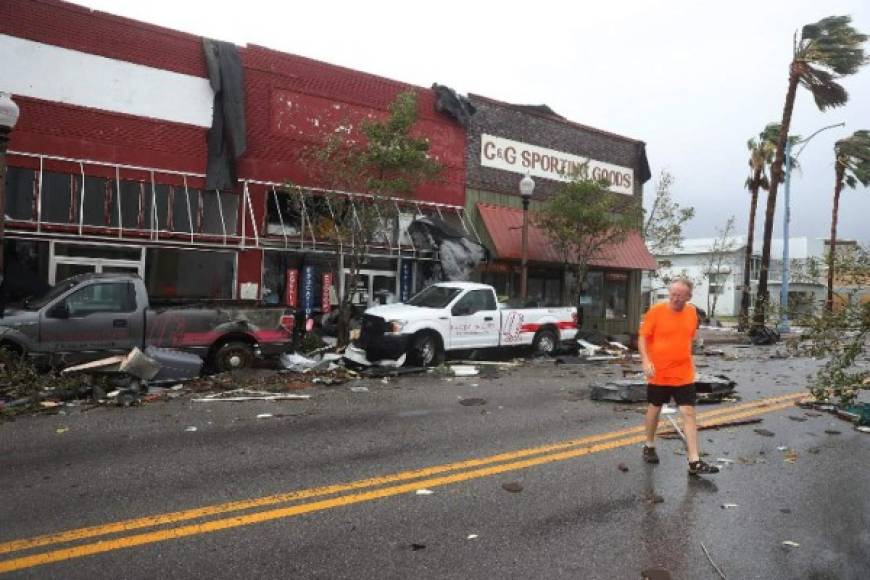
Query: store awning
505, 227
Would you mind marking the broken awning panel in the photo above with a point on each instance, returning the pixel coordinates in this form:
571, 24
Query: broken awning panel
505, 224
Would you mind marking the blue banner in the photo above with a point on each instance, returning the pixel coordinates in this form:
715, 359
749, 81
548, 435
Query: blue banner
405, 288
308, 293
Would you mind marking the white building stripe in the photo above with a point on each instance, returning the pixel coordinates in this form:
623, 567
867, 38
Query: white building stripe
51, 73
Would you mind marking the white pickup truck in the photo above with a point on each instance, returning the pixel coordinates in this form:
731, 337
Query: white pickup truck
453, 316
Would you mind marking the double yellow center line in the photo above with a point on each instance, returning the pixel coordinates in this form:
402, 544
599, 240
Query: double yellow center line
124, 533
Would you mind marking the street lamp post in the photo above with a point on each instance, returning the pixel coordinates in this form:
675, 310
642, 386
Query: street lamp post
8, 118
784, 325
527, 186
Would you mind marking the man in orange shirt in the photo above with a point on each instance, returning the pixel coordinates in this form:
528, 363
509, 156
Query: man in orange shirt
665, 343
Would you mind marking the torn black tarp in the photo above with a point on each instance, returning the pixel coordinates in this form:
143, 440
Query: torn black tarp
458, 254
226, 137
451, 102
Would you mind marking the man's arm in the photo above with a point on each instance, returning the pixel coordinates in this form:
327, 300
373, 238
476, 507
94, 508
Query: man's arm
648, 368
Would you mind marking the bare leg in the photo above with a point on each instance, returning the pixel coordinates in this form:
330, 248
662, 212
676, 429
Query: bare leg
651, 422
690, 427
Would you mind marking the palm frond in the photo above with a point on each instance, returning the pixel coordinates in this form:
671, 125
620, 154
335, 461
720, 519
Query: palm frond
827, 92
853, 153
834, 44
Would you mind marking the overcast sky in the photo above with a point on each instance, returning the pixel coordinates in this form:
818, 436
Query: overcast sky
694, 80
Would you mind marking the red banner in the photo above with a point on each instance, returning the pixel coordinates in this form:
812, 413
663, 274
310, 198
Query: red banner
291, 292
325, 301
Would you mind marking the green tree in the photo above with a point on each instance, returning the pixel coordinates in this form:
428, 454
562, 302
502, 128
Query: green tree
582, 219
382, 168
718, 264
663, 228
825, 52
841, 336
852, 167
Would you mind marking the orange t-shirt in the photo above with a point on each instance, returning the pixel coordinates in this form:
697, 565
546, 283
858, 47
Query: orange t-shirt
669, 337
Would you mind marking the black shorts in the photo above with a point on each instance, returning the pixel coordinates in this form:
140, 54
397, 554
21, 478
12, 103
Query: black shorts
659, 395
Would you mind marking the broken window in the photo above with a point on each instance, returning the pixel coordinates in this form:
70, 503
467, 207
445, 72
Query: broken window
19, 193
135, 205
174, 273
97, 204
58, 194
284, 213
216, 211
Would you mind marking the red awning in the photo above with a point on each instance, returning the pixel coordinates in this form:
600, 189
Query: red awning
505, 227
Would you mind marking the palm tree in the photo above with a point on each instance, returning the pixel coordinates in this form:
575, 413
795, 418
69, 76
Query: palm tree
825, 52
852, 167
760, 155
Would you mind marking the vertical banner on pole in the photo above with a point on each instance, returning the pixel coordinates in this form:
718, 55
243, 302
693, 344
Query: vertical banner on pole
406, 281
291, 288
326, 290
308, 290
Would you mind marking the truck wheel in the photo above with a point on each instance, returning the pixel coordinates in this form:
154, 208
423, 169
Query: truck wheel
426, 351
233, 356
545, 342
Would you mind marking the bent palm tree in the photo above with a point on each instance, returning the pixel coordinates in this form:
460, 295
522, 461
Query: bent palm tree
760, 155
852, 167
825, 52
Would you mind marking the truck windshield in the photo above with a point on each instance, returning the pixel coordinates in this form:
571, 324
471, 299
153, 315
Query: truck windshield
37, 303
434, 297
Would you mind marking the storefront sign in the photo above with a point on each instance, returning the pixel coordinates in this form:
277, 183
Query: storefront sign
522, 158
406, 281
291, 288
308, 290
326, 288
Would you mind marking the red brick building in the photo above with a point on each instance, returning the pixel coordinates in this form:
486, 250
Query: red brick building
107, 161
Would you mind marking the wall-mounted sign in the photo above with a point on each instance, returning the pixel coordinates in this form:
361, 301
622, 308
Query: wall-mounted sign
522, 158
291, 292
325, 291
308, 290
406, 281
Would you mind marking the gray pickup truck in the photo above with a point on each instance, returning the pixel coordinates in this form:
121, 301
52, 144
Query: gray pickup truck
92, 316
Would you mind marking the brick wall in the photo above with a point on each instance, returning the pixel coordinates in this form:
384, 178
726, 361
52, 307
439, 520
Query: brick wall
544, 130
328, 94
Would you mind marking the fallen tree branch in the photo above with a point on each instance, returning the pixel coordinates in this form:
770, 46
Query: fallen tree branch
706, 553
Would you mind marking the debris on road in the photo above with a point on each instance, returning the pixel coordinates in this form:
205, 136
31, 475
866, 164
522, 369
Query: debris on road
717, 426
655, 574
833, 432
424, 492
726, 506
655, 498
791, 544
765, 432
472, 402
464, 370
240, 395
710, 389
622, 467
190, 429
472, 537
718, 570
265, 416
513, 487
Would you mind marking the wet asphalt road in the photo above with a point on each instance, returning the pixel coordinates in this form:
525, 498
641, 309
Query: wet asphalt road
580, 517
